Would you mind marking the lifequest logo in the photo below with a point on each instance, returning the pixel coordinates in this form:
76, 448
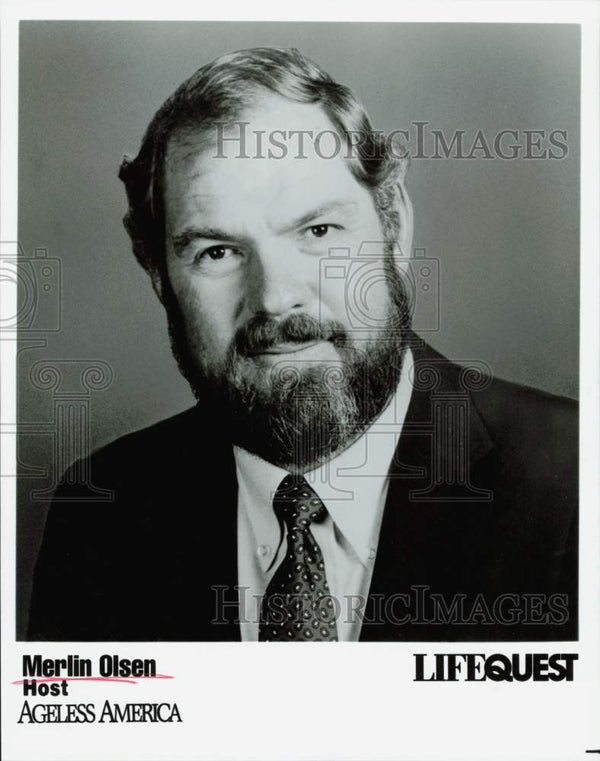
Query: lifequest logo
421, 141
477, 667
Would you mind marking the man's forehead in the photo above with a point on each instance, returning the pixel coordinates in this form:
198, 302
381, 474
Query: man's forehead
256, 176
247, 202
273, 129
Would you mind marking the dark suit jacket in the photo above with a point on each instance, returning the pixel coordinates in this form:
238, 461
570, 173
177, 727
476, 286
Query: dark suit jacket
478, 541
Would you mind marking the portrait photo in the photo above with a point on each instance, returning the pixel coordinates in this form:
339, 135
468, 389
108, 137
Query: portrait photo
298, 332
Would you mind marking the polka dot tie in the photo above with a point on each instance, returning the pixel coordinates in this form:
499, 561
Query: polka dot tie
297, 606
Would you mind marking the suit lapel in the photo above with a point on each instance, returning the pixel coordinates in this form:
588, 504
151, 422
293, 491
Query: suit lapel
430, 490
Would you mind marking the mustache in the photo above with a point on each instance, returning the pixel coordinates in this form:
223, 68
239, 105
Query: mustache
262, 333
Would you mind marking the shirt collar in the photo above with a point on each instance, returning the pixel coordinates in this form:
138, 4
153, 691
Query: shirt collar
258, 481
352, 485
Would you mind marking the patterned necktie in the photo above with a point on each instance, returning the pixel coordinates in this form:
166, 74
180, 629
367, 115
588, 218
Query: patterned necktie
297, 606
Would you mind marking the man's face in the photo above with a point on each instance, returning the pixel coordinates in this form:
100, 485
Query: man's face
246, 244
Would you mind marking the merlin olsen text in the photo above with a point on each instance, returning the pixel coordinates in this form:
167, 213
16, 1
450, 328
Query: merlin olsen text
75, 667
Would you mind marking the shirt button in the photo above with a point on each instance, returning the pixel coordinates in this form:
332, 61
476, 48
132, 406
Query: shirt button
263, 550
372, 554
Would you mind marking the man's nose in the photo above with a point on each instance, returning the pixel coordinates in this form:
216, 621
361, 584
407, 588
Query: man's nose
278, 283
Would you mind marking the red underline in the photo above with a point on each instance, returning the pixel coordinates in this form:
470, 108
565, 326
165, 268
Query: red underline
93, 679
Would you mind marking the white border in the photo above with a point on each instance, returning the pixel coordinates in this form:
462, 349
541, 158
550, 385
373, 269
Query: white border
235, 701
487, 11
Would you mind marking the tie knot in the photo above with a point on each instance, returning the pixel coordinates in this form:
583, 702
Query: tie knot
297, 504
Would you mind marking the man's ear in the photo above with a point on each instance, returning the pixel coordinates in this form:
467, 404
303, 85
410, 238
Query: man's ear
406, 218
405, 222
157, 285
401, 200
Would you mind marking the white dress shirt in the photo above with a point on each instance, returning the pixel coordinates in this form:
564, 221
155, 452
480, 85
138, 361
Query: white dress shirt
353, 488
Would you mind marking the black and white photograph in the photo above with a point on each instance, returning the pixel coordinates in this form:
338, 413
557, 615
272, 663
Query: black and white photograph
300, 349
341, 476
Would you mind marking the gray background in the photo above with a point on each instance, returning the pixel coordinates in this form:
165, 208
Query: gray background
506, 233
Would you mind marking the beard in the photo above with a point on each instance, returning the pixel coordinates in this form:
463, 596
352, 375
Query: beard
298, 414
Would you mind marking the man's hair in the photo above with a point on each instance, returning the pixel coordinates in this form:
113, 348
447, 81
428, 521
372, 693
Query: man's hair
219, 92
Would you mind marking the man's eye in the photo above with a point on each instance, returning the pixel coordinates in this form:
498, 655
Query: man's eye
216, 252
320, 231
218, 260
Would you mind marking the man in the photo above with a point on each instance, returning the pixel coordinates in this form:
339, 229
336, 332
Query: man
338, 479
